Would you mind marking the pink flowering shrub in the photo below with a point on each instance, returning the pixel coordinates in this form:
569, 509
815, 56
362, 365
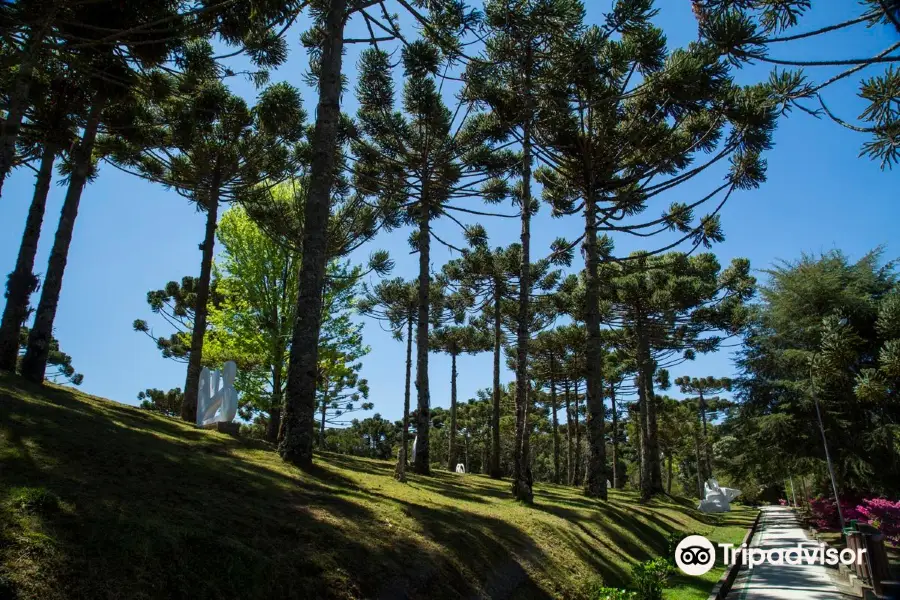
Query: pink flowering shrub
883, 514
782, 502
878, 512
825, 515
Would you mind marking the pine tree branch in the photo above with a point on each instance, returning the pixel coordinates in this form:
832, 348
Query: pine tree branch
866, 17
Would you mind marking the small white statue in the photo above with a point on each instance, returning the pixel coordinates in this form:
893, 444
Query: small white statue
608, 484
414, 449
717, 499
461, 468
215, 402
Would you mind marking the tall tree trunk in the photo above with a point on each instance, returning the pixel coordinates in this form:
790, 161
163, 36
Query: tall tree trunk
274, 424
643, 449
615, 435
669, 481
652, 475
299, 412
18, 98
521, 486
322, 415
22, 282
400, 471
451, 451
570, 467
706, 453
526, 439
35, 362
422, 461
595, 486
466, 449
699, 462
577, 479
273, 430
495, 409
201, 309
554, 420
653, 433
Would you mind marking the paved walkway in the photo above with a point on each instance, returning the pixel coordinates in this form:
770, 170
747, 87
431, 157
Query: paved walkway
780, 528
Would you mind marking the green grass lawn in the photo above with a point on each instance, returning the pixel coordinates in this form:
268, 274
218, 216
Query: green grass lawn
149, 507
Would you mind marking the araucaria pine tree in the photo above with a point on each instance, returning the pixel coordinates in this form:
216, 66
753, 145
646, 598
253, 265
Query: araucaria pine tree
705, 389
631, 121
518, 58
488, 278
671, 307
395, 302
207, 144
442, 21
760, 31
456, 340
424, 160
56, 104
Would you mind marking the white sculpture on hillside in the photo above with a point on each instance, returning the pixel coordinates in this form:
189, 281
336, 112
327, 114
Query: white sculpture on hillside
217, 398
413, 459
461, 468
717, 499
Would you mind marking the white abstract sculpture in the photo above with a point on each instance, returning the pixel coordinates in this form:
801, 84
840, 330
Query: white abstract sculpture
717, 499
608, 485
215, 402
414, 449
461, 468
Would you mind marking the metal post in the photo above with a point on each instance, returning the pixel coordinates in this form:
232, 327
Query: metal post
837, 498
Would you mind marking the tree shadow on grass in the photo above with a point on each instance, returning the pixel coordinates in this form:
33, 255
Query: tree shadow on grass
153, 508
465, 488
485, 549
621, 538
358, 464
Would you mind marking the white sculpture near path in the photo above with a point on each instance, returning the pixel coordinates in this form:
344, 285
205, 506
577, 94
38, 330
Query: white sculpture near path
717, 499
461, 468
217, 398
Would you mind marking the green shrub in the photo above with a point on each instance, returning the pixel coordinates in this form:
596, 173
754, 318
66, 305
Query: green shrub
672, 542
650, 577
35, 501
608, 593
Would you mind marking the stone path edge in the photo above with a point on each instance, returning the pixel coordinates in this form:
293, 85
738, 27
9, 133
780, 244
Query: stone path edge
723, 586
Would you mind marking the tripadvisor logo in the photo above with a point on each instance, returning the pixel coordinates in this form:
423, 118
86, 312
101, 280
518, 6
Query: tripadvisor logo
695, 555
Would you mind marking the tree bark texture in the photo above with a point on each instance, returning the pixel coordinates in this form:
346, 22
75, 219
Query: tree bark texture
495, 472
451, 451
615, 436
35, 362
570, 466
554, 420
400, 471
595, 486
18, 100
201, 309
22, 282
521, 486
296, 445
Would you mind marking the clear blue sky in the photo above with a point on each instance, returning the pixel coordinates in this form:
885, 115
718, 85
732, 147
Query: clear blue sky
132, 236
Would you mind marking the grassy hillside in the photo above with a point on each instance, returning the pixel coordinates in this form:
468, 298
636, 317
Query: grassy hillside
102, 500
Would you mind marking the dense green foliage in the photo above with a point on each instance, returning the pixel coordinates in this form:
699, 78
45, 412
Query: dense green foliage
826, 327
